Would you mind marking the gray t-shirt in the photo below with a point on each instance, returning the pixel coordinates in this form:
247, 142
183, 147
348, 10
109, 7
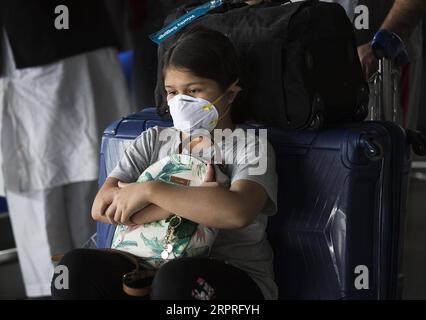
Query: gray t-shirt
246, 248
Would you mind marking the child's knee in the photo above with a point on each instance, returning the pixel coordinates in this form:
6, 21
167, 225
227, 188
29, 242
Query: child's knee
168, 281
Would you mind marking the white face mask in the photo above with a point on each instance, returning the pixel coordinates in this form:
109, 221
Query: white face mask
191, 113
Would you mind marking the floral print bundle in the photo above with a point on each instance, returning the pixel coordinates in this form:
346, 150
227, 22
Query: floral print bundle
160, 241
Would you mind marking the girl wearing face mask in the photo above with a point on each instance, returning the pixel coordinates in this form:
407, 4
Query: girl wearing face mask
201, 75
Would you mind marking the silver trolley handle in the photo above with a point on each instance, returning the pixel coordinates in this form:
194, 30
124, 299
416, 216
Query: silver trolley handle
391, 53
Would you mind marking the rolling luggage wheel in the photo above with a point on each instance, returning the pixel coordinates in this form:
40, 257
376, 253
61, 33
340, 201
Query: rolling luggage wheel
419, 149
418, 142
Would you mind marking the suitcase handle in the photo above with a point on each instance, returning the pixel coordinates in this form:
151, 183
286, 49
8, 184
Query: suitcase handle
388, 45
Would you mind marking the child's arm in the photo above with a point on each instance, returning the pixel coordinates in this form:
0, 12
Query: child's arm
149, 214
213, 206
237, 207
216, 207
105, 197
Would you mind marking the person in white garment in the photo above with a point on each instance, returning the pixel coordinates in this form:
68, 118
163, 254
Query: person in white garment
57, 95
403, 18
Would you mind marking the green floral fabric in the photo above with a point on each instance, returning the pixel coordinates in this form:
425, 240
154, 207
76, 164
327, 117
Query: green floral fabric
190, 239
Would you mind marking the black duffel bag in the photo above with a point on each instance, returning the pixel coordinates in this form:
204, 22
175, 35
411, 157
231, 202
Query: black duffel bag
300, 67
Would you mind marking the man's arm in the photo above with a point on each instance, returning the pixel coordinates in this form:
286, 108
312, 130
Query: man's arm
402, 19
404, 16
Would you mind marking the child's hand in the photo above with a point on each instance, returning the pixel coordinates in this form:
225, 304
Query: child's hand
130, 198
122, 184
103, 199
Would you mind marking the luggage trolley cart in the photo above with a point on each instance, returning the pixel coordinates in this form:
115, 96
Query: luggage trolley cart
385, 105
390, 50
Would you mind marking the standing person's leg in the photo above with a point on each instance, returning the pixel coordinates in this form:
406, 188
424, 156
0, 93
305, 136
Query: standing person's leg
57, 228
203, 279
28, 218
78, 200
26, 209
46, 223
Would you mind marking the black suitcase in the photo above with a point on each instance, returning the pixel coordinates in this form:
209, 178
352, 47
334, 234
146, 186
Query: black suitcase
300, 63
338, 233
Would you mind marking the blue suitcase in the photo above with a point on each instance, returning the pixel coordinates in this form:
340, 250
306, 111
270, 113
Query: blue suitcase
341, 200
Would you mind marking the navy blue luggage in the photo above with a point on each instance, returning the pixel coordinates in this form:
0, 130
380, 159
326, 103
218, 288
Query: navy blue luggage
341, 201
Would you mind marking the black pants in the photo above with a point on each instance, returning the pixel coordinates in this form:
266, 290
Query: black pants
97, 274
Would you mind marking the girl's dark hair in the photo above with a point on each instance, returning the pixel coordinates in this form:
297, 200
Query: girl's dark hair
205, 53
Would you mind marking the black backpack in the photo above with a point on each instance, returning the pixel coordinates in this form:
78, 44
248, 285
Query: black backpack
300, 67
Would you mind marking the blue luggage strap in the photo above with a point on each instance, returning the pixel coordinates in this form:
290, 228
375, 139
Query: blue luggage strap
185, 20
